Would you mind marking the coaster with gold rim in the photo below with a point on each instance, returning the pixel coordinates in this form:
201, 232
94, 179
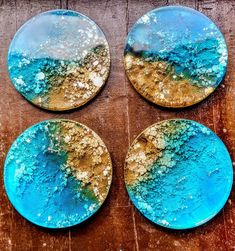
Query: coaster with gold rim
178, 173
59, 60
175, 56
57, 173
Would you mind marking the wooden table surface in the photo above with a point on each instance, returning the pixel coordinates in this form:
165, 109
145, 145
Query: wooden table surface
117, 114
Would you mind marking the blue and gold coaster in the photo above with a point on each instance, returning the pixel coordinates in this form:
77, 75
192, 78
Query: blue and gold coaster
175, 56
178, 173
59, 60
57, 173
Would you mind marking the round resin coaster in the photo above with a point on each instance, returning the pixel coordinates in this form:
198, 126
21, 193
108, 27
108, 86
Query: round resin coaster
178, 173
57, 173
59, 60
175, 56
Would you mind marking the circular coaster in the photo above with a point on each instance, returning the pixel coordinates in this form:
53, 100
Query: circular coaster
178, 173
175, 56
57, 173
59, 60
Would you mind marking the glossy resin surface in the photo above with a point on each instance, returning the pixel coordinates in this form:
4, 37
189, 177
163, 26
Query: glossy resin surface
175, 56
178, 173
57, 173
59, 60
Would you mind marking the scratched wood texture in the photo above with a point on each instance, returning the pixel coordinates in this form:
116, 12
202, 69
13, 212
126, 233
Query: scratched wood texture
117, 114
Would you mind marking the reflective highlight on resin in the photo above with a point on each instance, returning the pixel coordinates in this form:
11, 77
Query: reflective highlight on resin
57, 173
59, 60
175, 56
178, 173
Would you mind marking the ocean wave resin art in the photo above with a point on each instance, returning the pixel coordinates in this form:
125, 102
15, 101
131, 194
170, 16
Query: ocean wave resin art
175, 56
178, 173
59, 60
57, 173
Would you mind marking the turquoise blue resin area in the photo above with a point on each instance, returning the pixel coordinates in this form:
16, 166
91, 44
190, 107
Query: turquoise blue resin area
175, 56
44, 186
178, 174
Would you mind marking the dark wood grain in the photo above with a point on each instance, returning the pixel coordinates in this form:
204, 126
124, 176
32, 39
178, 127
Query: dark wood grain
117, 114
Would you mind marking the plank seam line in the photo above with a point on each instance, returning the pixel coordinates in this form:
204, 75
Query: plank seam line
128, 128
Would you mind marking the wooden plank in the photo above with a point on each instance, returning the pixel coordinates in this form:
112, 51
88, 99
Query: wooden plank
108, 116
143, 114
188, 3
223, 12
16, 115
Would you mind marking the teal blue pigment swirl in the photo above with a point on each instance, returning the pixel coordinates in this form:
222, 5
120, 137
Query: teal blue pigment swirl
36, 77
